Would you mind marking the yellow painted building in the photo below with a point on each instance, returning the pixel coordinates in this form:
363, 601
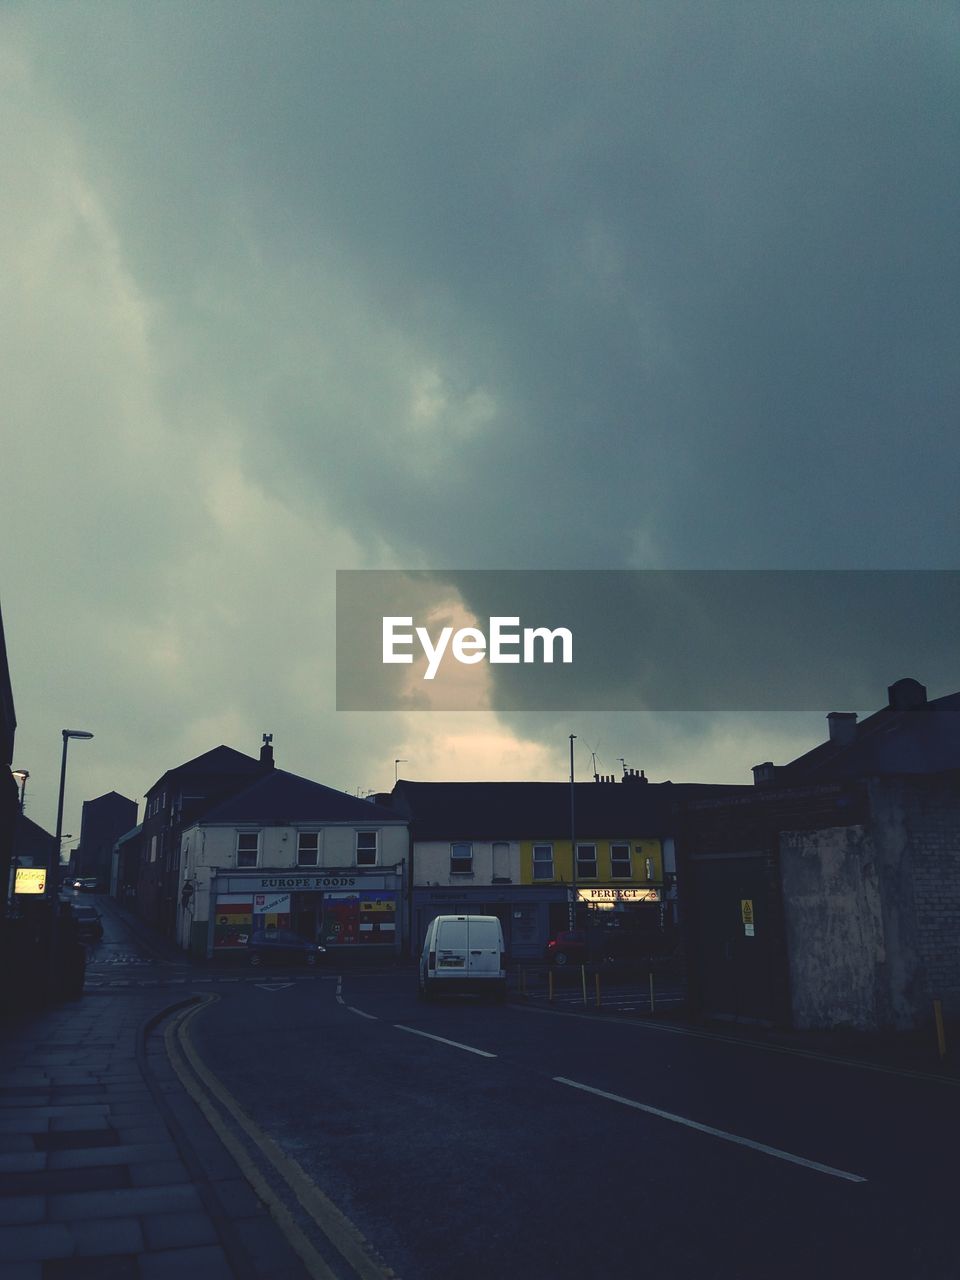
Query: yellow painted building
633, 863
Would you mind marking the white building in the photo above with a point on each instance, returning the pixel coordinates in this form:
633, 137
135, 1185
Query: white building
287, 853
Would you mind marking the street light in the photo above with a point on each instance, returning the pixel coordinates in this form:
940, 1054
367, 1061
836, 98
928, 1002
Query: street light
21, 776
53, 872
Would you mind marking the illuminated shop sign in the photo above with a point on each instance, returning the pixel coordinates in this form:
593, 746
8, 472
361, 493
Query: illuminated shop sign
608, 897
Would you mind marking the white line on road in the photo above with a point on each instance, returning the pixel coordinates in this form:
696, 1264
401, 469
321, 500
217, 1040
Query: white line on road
361, 1014
455, 1043
715, 1133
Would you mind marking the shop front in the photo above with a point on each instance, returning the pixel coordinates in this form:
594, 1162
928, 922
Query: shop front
348, 911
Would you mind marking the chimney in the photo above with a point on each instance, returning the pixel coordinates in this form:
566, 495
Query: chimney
266, 752
763, 773
634, 776
906, 695
843, 727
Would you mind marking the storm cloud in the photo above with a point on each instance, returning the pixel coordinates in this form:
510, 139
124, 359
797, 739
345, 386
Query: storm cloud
315, 287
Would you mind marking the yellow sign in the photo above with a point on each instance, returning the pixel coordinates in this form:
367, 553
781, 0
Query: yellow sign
30, 880
746, 910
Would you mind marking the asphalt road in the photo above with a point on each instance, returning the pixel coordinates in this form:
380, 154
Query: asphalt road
467, 1139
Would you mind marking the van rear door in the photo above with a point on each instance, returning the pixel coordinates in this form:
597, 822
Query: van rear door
483, 948
452, 946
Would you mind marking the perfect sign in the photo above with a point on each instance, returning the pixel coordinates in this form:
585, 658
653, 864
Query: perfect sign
469, 645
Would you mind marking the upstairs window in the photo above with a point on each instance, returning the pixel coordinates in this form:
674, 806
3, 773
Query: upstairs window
586, 862
543, 862
366, 848
620, 861
248, 848
308, 848
461, 858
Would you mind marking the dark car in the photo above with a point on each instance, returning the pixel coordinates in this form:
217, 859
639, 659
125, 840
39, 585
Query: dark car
89, 923
282, 946
86, 884
568, 947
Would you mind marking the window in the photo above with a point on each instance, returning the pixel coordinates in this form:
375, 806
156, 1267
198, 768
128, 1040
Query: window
461, 858
586, 862
308, 848
543, 862
620, 861
248, 848
366, 848
501, 860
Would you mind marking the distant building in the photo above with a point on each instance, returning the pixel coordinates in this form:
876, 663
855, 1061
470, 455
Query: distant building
505, 849
104, 820
173, 803
285, 853
830, 896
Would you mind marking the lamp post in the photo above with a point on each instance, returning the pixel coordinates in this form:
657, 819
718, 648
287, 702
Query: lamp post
53, 873
572, 914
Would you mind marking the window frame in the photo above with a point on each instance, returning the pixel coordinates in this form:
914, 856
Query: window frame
467, 858
587, 875
542, 844
621, 862
256, 852
315, 835
367, 831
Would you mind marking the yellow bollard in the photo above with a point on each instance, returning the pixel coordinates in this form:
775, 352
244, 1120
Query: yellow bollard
941, 1038
596, 978
583, 981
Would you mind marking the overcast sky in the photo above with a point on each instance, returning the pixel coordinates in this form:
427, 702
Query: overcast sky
296, 288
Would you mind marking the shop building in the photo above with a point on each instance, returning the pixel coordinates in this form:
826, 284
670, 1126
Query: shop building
506, 849
293, 855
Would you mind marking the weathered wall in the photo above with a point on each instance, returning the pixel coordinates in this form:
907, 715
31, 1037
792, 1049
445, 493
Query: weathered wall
834, 928
916, 821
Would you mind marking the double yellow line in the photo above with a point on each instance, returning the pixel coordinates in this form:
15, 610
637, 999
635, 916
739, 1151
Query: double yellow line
203, 1086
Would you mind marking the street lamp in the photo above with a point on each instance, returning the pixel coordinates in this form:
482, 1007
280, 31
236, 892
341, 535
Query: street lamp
21, 776
53, 873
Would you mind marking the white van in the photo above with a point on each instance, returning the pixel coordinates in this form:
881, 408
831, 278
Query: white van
463, 953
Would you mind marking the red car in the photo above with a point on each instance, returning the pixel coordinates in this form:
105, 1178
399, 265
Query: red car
568, 947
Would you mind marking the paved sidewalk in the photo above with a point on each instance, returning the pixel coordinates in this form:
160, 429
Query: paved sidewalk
107, 1169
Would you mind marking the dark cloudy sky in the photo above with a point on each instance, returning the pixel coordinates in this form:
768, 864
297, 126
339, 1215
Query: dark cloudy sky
292, 288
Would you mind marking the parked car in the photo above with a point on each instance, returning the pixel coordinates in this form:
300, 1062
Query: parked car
89, 923
86, 884
282, 946
568, 947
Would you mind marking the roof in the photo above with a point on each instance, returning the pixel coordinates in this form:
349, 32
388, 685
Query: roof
219, 760
278, 797
908, 736
30, 839
505, 810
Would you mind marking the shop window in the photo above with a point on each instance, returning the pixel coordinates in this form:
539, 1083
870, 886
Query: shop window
308, 848
366, 848
248, 848
586, 862
620, 861
543, 862
461, 858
